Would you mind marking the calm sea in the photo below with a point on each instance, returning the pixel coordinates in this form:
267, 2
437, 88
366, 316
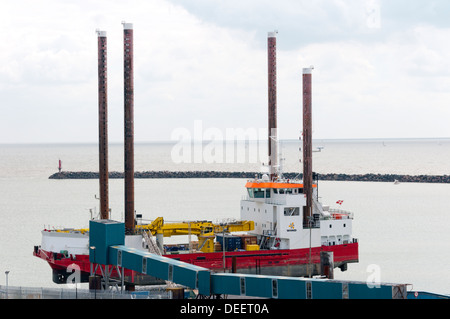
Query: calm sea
403, 230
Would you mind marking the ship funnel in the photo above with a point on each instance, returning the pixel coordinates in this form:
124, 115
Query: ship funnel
272, 107
307, 144
103, 124
128, 126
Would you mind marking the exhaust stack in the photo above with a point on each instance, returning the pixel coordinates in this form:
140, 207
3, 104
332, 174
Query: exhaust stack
272, 107
307, 144
103, 124
129, 127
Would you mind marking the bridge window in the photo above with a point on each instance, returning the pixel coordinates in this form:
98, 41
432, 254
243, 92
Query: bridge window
291, 211
259, 193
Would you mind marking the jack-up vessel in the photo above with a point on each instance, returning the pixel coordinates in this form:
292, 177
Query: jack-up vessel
283, 227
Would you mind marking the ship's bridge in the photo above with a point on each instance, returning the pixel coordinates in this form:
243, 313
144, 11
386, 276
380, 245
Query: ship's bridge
266, 191
276, 207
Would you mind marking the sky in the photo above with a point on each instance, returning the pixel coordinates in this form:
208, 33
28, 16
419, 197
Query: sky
381, 68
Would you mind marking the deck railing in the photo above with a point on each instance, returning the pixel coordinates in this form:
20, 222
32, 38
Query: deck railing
14, 292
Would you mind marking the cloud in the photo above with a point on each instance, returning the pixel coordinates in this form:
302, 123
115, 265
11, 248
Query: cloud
382, 89
301, 22
207, 60
185, 68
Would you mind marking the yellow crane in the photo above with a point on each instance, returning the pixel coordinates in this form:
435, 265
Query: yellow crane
204, 230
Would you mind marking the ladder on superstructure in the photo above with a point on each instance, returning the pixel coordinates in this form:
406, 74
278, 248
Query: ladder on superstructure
153, 248
151, 243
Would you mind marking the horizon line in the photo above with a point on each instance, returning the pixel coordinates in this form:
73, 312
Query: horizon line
225, 140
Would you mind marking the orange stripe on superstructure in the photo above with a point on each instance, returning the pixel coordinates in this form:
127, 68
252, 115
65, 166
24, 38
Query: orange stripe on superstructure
274, 185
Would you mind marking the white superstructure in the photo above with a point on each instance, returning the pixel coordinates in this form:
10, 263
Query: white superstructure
277, 210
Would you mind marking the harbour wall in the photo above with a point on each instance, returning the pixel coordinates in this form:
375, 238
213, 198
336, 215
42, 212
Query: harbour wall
247, 175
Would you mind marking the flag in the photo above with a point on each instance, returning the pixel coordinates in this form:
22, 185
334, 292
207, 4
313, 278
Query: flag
339, 202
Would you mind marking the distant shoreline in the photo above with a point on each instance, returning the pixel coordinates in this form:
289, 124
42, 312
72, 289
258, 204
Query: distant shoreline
288, 140
217, 174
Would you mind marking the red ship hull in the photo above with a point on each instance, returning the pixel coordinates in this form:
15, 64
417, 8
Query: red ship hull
289, 262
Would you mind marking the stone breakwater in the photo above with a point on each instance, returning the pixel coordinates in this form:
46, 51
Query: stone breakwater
247, 175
